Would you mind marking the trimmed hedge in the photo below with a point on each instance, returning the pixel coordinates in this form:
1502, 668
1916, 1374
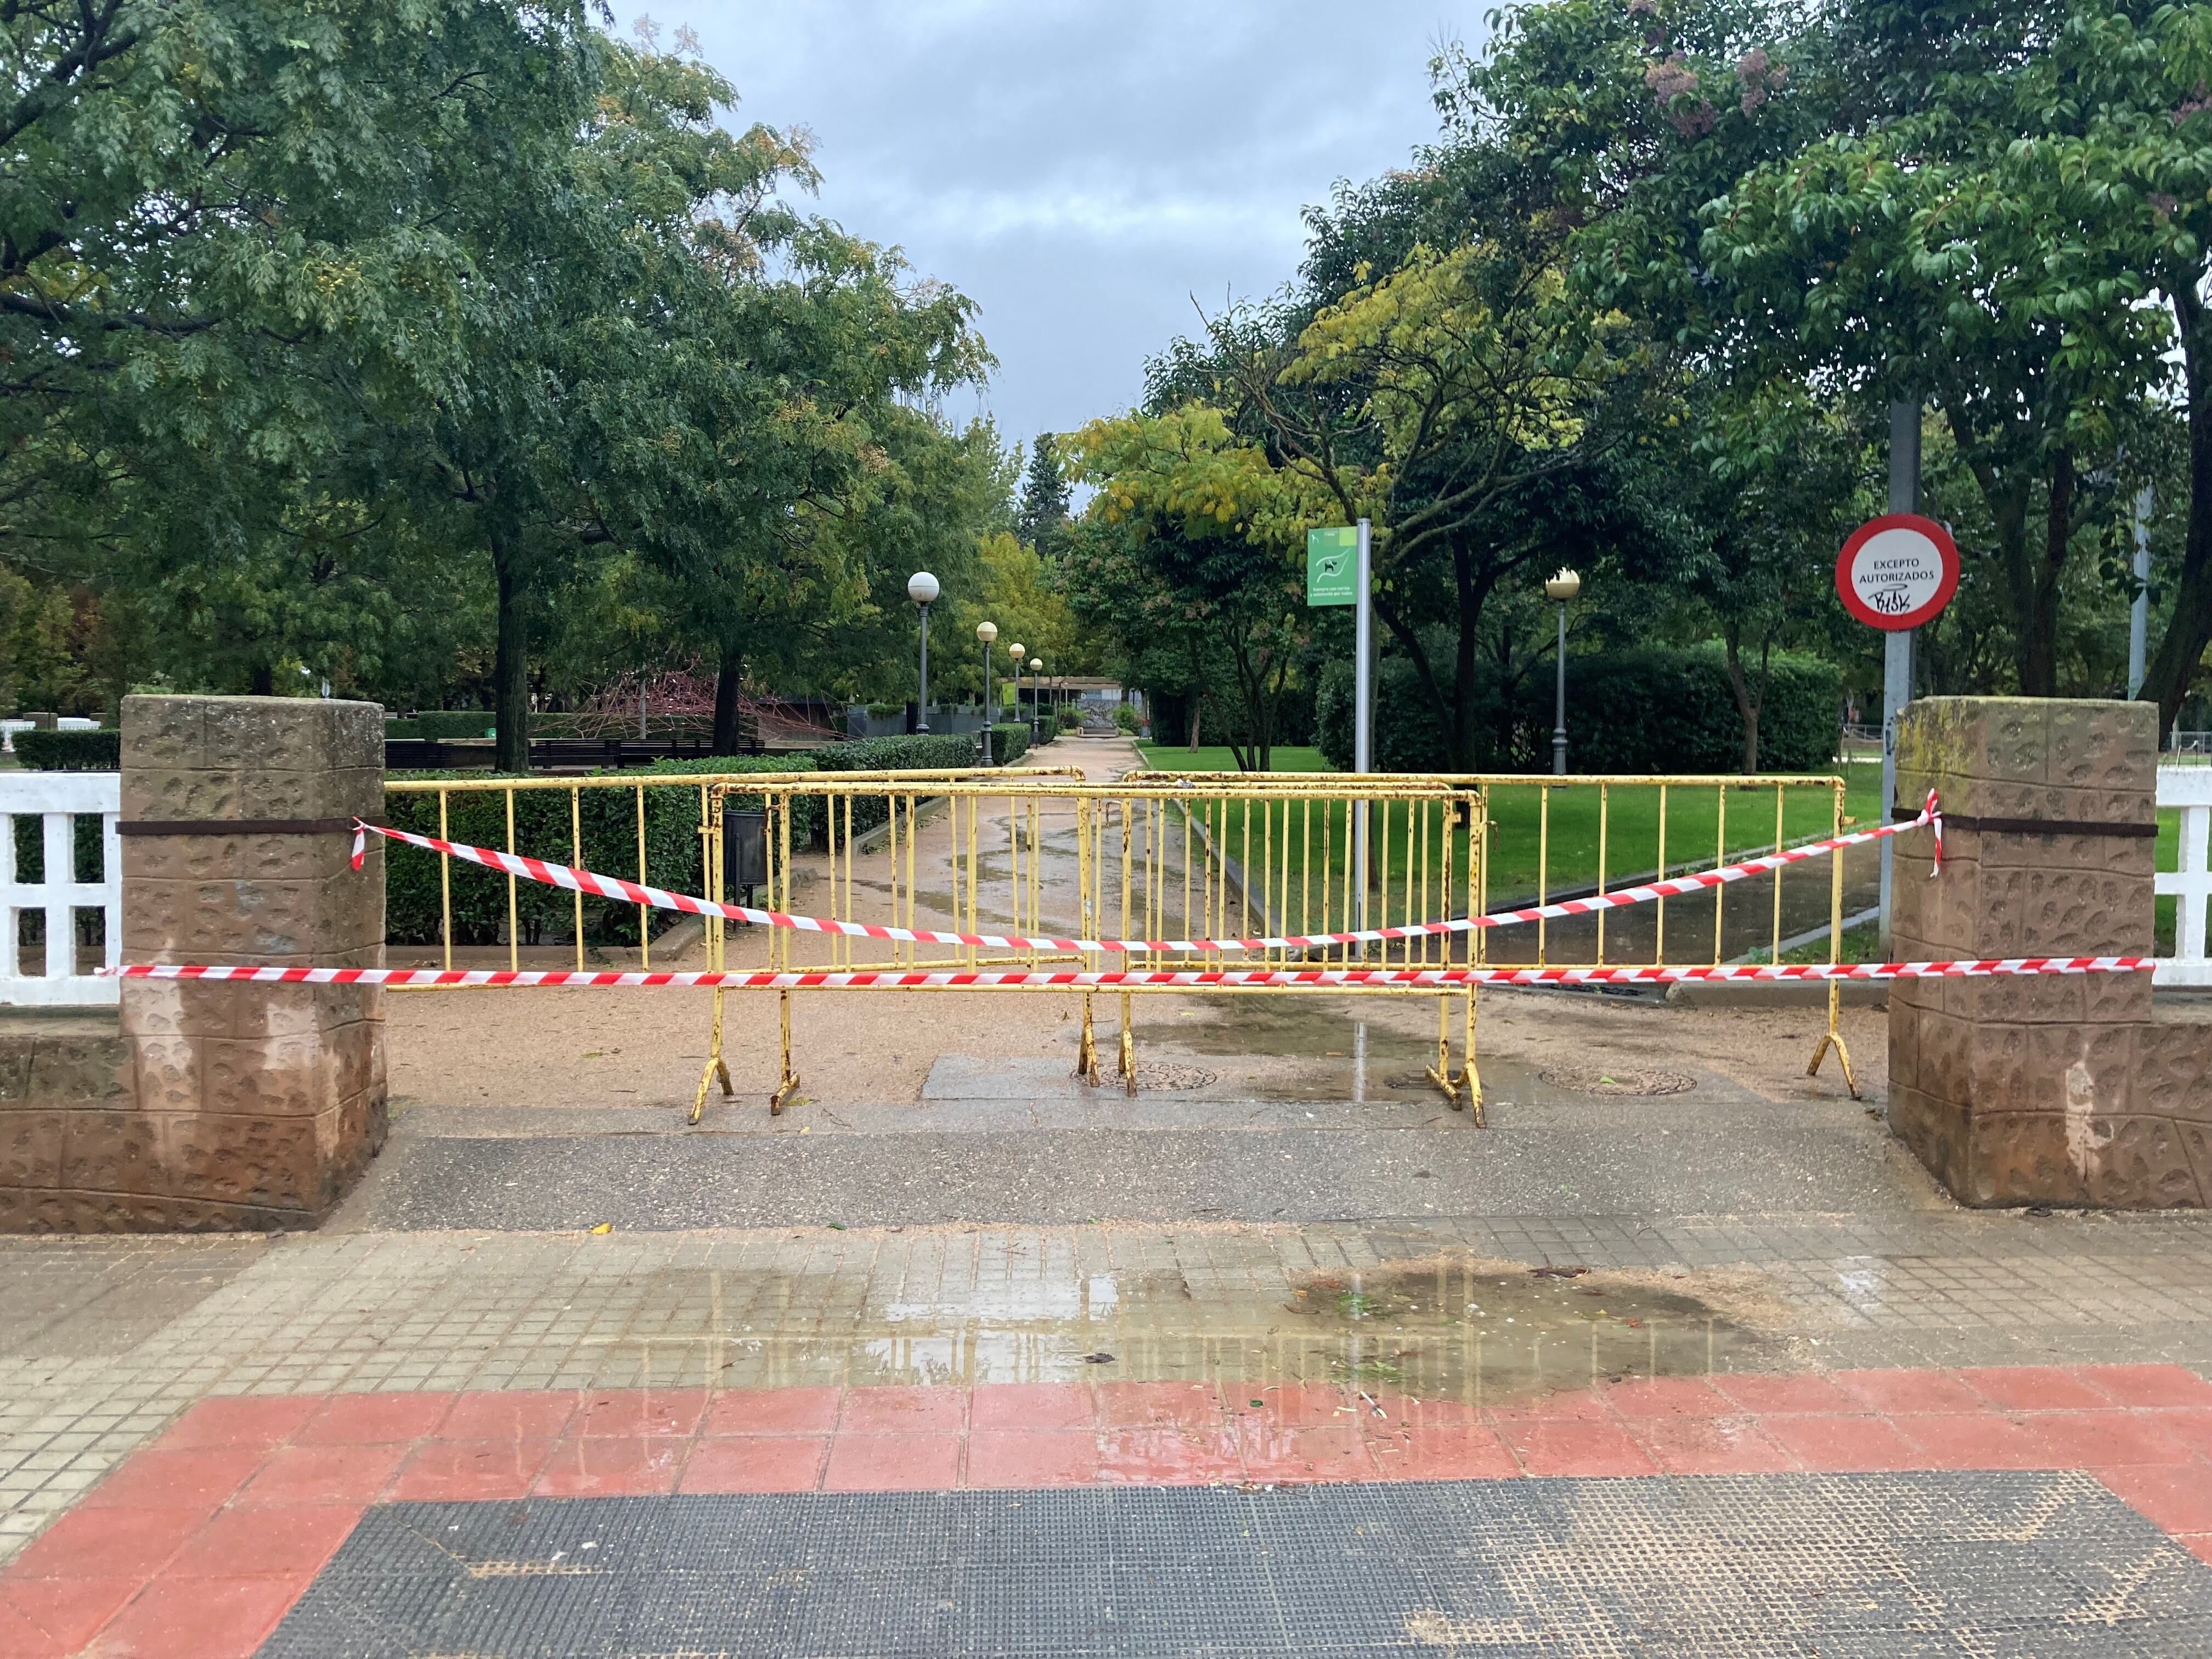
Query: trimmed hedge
1009, 743
441, 724
70, 751
1649, 709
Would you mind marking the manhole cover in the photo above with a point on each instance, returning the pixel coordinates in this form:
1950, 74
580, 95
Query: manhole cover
1617, 1080
1163, 1076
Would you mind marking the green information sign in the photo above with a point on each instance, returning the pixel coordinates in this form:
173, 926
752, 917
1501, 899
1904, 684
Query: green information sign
1333, 567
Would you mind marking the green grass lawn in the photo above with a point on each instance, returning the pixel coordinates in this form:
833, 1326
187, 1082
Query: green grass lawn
1555, 829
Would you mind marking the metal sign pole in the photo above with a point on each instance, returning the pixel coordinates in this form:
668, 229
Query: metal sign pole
1363, 736
2139, 612
1897, 652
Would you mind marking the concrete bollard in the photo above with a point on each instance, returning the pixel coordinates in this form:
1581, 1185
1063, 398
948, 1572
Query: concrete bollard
2069, 1091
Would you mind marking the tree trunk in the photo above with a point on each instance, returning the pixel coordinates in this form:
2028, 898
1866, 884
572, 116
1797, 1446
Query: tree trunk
2039, 660
1195, 702
510, 674
2173, 670
1747, 704
729, 725
263, 681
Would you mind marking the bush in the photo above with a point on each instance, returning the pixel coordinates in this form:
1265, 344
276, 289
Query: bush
70, 751
1010, 741
441, 724
1125, 718
1068, 717
936, 751
1650, 709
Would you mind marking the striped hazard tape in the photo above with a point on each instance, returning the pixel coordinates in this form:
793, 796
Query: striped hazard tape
569, 877
1111, 979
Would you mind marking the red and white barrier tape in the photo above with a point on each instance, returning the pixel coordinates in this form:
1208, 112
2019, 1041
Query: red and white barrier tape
568, 877
1116, 979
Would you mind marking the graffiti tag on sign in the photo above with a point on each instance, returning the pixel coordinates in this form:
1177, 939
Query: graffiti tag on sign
1898, 571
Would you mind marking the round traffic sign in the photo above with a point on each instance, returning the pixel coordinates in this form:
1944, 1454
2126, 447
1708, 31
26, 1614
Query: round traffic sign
1898, 571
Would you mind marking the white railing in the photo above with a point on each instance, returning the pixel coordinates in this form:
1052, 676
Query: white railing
57, 799
2188, 789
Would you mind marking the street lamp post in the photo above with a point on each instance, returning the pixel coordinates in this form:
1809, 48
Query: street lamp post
921, 587
1014, 650
987, 632
1037, 693
1561, 590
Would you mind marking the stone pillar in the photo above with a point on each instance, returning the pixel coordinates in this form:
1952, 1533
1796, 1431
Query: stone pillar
2066, 1090
255, 1106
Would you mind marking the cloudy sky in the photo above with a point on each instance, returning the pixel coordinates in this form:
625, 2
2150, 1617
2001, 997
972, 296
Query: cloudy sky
1083, 170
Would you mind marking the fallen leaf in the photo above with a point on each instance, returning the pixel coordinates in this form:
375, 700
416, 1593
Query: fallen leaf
604, 1227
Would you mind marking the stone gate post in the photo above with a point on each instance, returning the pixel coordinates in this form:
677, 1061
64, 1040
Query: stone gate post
251, 1106
2071, 1091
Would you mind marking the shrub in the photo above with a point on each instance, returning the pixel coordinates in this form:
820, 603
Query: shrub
1649, 709
1125, 717
70, 751
1010, 741
1068, 717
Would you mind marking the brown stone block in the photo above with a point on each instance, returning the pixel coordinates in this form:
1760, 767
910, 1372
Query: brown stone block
2131, 857
264, 922
269, 1076
150, 792
2000, 739
1936, 1133
273, 1163
238, 858
354, 792
2106, 998
109, 1152
31, 1148
2020, 1158
2078, 1070
2175, 1076
15, 1052
2102, 746
2043, 1000
292, 734
52, 1211
2054, 913
1943, 1069
164, 733
82, 1071
1904, 1044
2140, 1163
166, 1073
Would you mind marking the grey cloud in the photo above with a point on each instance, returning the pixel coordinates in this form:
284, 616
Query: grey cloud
1082, 170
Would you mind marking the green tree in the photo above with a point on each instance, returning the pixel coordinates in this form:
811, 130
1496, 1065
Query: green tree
1042, 518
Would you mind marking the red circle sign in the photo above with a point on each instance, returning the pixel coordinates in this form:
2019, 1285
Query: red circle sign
1898, 571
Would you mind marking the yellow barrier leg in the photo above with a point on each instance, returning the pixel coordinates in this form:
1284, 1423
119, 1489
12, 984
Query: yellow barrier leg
716, 1066
1467, 1078
1833, 1038
1128, 1047
1086, 1057
788, 1085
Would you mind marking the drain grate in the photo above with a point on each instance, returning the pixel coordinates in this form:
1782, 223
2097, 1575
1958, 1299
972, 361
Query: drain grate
1617, 1080
1167, 1077
2013, 1562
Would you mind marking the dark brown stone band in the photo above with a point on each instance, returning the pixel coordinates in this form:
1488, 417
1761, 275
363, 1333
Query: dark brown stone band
234, 826
2032, 826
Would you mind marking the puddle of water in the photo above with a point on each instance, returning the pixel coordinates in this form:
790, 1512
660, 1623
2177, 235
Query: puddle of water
1295, 1050
1447, 1328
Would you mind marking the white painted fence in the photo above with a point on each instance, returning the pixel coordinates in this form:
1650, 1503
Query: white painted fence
2188, 789
56, 798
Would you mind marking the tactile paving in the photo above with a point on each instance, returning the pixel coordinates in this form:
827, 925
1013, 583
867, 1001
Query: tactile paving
1997, 1563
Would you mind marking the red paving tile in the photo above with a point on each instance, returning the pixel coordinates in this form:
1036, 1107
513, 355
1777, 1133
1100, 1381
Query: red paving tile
1304, 1451
772, 1411
335, 1475
199, 1618
65, 1612
245, 1420
2035, 1388
1569, 1447
1172, 1456
640, 1410
465, 1471
892, 1462
101, 1543
1768, 1392
1892, 1391
1441, 1451
1843, 1444
889, 1410
250, 1541
175, 1479
1155, 1405
1568, 1406
374, 1420
1032, 1457
2099, 1439
1667, 1396
1970, 1440
1292, 1403
19, 1639
1032, 1406
2178, 1499
2198, 1544
603, 1466
2149, 1385
508, 1414
1709, 1445
2188, 1426
756, 1462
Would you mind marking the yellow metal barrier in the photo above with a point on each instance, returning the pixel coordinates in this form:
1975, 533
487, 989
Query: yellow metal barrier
1166, 856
